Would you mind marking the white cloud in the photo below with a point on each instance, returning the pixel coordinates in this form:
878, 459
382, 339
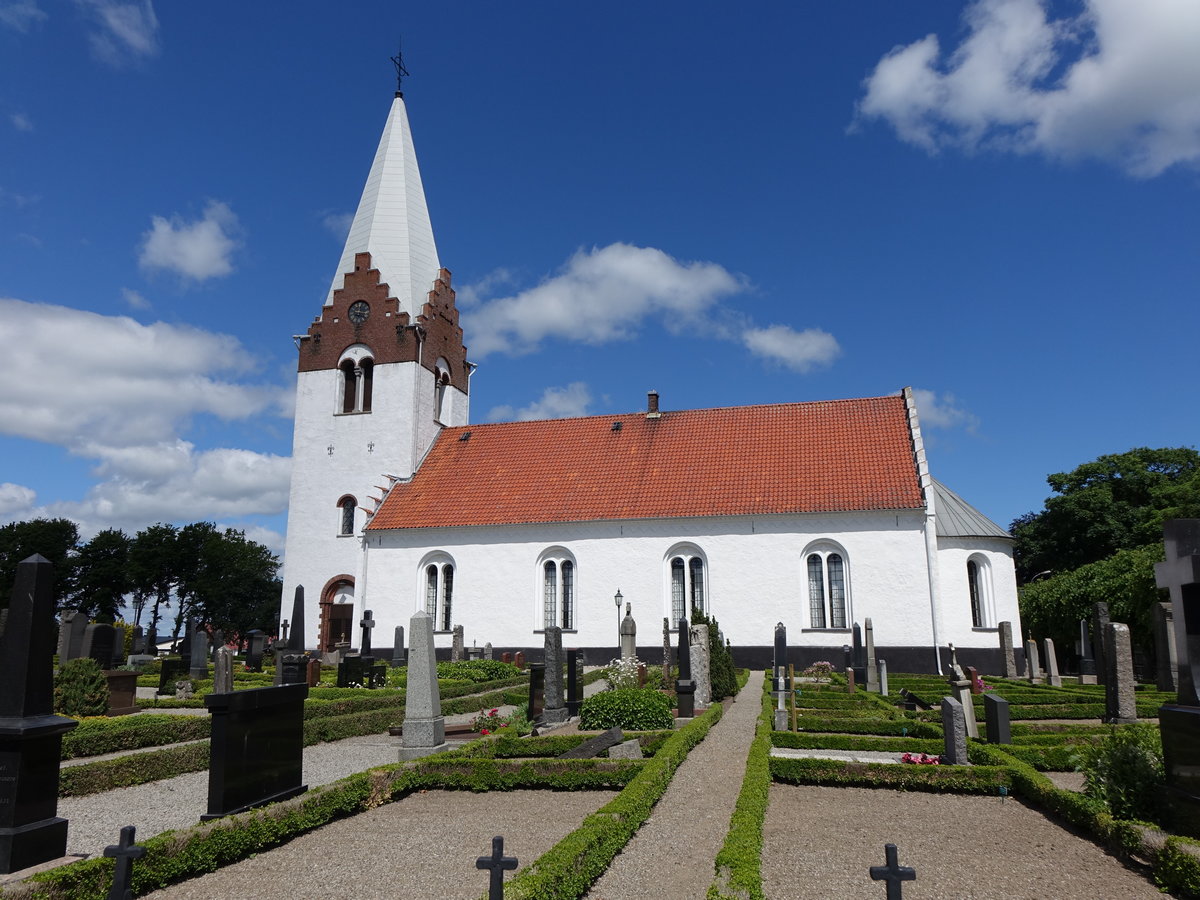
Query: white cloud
128, 30
943, 412
600, 295
338, 223
134, 299
16, 501
1119, 81
797, 350
21, 122
121, 396
21, 16
555, 403
198, 250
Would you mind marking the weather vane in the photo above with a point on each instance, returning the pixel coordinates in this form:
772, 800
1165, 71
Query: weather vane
398, 62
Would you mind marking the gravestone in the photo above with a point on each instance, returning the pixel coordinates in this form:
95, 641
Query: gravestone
859, 655
780, 661
872, 668
254, 652
574, 682
223, 672
218, 641
30, 733
152, 642
398, 648
537, 690
1099, 637
98, 644
496, 865
291, 663
367, 625
996, 715
506, 657
960, 687
556, 705
1180, 721
1033, 665
883, 679
1087, 659
138, 644
912, 701
124, 852
353, 671
1165, 655
698, 647
685, 688
954, 728
487, 650
1119, 703
631, 749
314, 673
851, 684
976, 682
666, 663
1052, 676
519, 659
199, 667
892, 872
1008, 661
593, 747
118, 656
456, 649
172, 669
256, 749
70, 635
628, 634
424, 727
474, 653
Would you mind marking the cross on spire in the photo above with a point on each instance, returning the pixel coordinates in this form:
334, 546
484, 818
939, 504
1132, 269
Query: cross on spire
893, 873
125, 853
401, 72
497, 863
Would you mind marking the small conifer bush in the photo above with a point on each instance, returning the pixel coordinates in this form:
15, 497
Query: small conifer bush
632, 709
1125, 771
80, 689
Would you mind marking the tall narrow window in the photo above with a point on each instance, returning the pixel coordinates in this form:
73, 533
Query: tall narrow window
347, 505
696, 574
677, 591
431, 591
568, 594
558, 588
349, 386
827, 592
447, 592
689, 583
549, 593
979, 586
368, 384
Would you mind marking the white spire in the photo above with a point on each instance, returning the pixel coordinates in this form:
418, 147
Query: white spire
392, 222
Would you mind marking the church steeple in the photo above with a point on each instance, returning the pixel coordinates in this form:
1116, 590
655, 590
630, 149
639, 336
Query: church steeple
392, 221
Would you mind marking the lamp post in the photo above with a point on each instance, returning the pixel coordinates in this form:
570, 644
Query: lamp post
617, 600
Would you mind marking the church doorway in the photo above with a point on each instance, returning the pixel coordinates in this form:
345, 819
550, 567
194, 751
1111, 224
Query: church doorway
337, 613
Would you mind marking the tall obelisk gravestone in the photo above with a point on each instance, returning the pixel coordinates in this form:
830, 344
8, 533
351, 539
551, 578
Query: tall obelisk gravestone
424, 727
30, 734
1180, 721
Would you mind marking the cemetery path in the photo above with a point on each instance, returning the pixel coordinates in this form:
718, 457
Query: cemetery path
673, 852
821, 841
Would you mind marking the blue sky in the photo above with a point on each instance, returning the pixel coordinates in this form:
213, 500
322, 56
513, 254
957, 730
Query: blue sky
993, 202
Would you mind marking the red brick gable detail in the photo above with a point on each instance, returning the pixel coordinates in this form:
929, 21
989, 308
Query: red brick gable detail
391, 334
829, 456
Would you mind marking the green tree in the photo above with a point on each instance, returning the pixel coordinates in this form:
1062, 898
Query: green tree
153, 570
230, 581
102, 576
1117, 502
55, 539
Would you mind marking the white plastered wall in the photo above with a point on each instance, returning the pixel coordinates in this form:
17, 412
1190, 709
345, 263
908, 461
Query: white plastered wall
1000, 594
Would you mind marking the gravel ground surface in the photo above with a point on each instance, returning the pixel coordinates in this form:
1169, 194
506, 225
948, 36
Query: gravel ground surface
424, 845
819, 842
672, 854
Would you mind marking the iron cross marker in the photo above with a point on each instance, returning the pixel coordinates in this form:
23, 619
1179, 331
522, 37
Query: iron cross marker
125, 853
497, 863
366, 624
893, 873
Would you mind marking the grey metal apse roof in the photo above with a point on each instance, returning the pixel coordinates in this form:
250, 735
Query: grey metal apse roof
958, 518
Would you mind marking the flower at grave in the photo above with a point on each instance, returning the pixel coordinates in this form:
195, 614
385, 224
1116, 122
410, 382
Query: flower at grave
819, 670
489, 721
484, 731
622, 673
921, 759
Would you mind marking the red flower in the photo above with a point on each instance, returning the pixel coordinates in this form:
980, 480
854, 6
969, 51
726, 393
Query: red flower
484, 731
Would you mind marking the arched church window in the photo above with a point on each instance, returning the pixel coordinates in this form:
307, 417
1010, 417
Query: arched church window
558, 589
979, 586
368, 383
349, 385
356, 376
827, 593
688, 583
346, 505
439, 592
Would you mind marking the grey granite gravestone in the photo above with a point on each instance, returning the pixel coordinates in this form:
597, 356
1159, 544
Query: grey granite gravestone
64, 633
592, 747
1052, 676
666, 664
698, 647
398, 648
556, 704
488, 653
98, 644
199, 666
628, 634
960, 686
1119, 703
456, 647
883, 679
1099, 637
31, 734
996, 715
1087, 658
685, 688
474, 653
1008, 662
424, 727
1165, 655
223, 672
256, 751
1179, 722
631, 749
872, 668
1033, 665
954, 729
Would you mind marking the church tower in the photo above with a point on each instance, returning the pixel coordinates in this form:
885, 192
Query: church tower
381, 370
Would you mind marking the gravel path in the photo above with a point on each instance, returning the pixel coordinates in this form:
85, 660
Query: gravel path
672, 854
821, 841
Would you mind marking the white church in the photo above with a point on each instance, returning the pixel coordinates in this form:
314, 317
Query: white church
818, 515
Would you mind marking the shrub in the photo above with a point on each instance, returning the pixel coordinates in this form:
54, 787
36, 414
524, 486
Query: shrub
628, 708
1125, 771
80, 689
477, 670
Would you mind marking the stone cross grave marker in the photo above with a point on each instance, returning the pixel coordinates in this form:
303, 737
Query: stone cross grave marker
1008, 661
497, 864
1166, 668
1052, 676
398, 648
283, 631
556, 704
424, 726
1119, 703
685, 688
367, 624
628, 634
954, 727
124, 852
893, 873
698, 646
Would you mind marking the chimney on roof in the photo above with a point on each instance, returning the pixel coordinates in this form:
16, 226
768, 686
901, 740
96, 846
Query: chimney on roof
652, 405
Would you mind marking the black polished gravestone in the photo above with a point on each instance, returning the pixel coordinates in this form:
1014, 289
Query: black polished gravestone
257, 746
291, 662
1179, 722
574, 682
257, 643
685, 687
30, 734
537, 689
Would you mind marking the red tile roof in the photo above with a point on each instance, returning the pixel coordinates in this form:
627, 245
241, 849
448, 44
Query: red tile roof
743, 460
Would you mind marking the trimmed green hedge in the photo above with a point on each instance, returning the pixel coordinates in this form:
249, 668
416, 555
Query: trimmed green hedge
97, 736
938, 779
805, 741
137, 768
913, 727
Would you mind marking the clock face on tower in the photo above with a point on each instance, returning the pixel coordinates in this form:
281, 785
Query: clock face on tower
359, 311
